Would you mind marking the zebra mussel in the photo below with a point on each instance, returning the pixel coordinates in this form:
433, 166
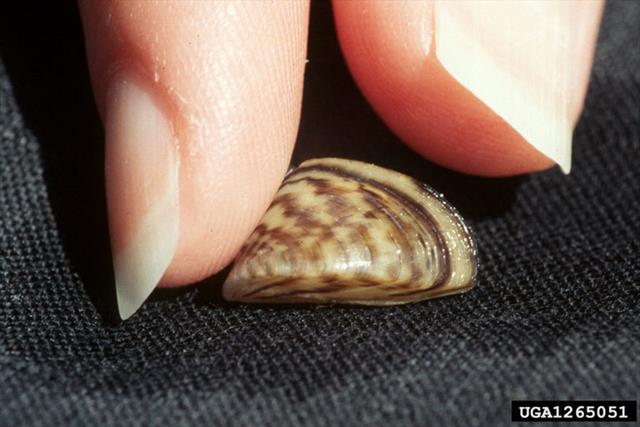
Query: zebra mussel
343, 231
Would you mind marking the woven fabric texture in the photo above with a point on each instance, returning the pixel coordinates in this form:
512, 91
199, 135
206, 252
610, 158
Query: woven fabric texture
555, 314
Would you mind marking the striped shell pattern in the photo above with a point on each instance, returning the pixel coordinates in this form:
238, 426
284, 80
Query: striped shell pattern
343, 231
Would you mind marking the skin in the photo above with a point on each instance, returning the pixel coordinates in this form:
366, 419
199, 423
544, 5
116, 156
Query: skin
228, 76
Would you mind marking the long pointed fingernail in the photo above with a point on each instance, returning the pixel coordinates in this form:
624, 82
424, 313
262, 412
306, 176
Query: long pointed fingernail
515, 57
142, 169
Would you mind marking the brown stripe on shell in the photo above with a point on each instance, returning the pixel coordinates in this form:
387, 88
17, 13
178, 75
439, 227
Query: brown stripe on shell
403, 199
468, 232
268, 286
324, 241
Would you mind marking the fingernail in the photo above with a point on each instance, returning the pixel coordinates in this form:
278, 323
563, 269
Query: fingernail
142, 190
515, 57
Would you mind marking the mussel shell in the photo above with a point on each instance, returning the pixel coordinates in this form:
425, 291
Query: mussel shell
343, 231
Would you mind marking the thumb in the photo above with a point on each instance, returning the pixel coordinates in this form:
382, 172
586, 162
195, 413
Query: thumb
483, 87
200, 102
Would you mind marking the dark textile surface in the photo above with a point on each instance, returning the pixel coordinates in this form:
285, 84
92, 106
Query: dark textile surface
554, 315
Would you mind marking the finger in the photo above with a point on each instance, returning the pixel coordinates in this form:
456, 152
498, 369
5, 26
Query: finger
490, 88
200, 102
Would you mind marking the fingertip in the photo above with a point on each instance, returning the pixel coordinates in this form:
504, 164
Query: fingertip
228, 98
460, 89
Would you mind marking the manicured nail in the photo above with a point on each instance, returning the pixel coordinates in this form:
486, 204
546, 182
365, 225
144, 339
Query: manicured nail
515, 57
142, 166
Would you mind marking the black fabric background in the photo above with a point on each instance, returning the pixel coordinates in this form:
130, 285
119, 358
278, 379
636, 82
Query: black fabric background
554, 315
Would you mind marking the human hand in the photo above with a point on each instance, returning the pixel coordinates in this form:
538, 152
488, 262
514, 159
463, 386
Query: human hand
201, 103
